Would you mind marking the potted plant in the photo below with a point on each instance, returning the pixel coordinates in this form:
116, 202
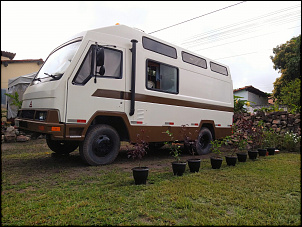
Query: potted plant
216, 160
240, 138
259, 138
270, 141
241, 146
253, 153
231, 158
178, 166
190, 147
140, 174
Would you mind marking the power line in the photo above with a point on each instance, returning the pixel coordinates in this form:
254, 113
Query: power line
197, 17
242, 31
242, 39
250, 27
242, 54
245, 27
250, 52
236, 24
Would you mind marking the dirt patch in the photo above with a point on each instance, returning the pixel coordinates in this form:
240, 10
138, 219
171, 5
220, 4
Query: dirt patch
155, 159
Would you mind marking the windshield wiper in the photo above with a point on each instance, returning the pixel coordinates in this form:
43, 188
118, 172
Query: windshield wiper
53, 76
37, 79
49, 75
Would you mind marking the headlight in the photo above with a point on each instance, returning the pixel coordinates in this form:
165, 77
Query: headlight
41, 115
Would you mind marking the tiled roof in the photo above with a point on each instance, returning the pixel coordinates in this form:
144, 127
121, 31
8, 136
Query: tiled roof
38, 61
8, 54
252, 90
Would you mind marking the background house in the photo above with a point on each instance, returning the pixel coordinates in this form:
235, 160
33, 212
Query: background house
252, 94
11, 69
14, 68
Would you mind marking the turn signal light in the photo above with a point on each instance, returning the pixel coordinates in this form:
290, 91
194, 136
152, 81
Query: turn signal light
55, 129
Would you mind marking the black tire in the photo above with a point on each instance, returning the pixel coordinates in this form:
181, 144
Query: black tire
101, 145
156, 145
203, 143
61, 146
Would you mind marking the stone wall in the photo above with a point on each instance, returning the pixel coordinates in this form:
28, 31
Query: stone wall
280, 121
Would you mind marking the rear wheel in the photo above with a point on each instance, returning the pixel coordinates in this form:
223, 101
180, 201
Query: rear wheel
101, 145
61, 146
204, 139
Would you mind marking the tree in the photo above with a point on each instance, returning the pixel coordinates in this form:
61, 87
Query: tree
287, 62
290, 95
15, 100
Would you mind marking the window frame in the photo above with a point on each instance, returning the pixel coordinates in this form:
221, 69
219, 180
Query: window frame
220, 66
155, 41
121, 65
161, 90
91, 48
184, 52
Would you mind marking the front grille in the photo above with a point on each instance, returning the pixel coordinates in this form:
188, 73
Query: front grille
33, 115
23, 124
28, 114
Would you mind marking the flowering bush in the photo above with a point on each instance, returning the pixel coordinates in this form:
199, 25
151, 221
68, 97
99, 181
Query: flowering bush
291, 142
271, 138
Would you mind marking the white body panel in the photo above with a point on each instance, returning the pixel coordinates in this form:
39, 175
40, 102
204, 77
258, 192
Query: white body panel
196, 85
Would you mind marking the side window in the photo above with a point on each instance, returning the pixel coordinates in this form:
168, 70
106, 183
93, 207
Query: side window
194, 60
162, 77
218, 68
113, 66
83, 75
112, 63
159, 47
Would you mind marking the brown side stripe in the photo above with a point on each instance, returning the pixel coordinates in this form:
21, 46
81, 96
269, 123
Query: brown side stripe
159, 100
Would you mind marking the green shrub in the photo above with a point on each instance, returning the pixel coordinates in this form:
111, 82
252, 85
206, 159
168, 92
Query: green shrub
291, 142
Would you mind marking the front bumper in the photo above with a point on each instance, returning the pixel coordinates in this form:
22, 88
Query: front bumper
29, 120
47, 122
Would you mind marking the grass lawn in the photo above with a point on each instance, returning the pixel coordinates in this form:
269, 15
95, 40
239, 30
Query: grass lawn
41, 189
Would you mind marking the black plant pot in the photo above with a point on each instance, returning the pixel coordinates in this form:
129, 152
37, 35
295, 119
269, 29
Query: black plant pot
140, 174
241, 157
216, 162
231, 160
262, 152
253, 154
271, 150
194, 164
179, 168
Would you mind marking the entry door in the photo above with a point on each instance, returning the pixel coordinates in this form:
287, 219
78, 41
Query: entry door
87, 95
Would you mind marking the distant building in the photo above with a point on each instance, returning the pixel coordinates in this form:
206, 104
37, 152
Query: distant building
257, 98
14, 68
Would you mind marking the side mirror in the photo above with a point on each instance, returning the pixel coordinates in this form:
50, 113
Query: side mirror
102, 70
100, 57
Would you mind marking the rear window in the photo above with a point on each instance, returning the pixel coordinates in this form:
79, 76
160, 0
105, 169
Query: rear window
159, 48
218, 68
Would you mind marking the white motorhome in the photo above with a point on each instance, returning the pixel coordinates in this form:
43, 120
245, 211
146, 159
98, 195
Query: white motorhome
107, 85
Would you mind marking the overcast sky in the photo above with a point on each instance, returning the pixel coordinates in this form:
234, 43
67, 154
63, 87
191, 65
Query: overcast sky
242, 35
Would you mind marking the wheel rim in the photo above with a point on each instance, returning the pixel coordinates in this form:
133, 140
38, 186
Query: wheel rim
102, 146
204, 141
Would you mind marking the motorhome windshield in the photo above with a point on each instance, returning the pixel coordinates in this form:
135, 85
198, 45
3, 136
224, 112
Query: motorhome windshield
57, 63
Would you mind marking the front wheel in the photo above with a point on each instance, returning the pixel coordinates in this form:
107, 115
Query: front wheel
61, 146
101, 145
203, 143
